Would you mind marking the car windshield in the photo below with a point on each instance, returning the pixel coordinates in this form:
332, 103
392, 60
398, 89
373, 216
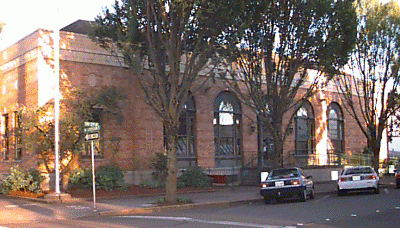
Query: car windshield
283, 173
358, 170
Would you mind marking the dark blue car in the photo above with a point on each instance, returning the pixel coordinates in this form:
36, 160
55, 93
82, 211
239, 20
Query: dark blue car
287, 183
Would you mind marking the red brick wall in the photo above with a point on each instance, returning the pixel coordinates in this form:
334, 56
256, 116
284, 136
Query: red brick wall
141, 133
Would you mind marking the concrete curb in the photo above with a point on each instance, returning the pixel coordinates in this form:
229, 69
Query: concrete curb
146, 210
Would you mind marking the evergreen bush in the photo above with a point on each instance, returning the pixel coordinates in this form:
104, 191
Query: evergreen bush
108, 177
19, 179
194, 177
160, 165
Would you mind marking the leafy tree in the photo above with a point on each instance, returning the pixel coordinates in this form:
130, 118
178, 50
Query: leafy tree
166, 44
370, 89
281, 52
75, 109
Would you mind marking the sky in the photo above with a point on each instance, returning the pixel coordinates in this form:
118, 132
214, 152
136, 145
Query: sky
22, 17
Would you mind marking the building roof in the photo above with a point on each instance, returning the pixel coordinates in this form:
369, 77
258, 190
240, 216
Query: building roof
79, 26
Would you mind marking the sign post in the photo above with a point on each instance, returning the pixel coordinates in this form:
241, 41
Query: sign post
93, 177
92, 133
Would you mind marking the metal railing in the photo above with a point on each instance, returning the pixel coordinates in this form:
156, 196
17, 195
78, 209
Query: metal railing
330, 159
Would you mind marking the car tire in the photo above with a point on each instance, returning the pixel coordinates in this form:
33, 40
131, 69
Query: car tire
312, 194
303, 196
341, 192
376, 190
397, 185
267, 199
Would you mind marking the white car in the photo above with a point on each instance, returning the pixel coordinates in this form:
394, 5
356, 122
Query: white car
358, 178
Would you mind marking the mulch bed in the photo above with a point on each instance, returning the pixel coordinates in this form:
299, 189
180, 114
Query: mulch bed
130, 191
115, 193
26, 194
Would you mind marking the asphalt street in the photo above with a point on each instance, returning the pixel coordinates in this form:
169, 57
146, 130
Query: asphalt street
230, 206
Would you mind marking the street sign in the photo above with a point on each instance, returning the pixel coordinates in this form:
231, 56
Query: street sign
91, 124
91, 127
92, 136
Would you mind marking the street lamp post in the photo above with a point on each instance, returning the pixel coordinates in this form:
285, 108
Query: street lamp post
57, 105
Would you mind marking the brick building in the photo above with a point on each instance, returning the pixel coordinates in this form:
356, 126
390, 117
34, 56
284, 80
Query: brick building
322, 129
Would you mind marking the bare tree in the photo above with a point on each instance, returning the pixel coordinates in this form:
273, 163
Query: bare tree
370, 88
276, 46
171, 41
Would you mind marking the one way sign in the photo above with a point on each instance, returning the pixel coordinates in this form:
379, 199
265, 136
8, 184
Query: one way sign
91, 136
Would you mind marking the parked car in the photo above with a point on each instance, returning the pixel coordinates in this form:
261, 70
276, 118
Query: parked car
287, 182
358, 178
397, 177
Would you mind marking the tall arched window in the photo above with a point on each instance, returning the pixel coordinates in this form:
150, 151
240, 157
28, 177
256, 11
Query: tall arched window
186, 135
304, 130
335, 128
227, 119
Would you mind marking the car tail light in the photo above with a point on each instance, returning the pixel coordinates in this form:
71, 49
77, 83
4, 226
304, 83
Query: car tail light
344, 178
370, 177
264, 185
295, 182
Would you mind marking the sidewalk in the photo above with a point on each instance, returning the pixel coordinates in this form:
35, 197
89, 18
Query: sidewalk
226, 196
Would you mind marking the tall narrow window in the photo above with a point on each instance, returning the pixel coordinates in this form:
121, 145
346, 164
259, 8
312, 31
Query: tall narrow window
17, 136
5, 136
96, 117
227, 140
304, 130
335, 128
186, 135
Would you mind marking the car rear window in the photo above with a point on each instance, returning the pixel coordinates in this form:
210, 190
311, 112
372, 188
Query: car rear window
283, 173
358, 170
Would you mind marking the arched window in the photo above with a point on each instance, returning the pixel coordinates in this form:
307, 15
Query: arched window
227, 119
335, 128
186, 135
304, 130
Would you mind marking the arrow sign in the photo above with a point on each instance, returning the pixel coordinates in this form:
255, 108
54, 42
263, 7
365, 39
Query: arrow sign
91, 136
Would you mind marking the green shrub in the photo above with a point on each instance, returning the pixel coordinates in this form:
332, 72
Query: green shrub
160, 165
194, 177
161, 200
20, 179
75, 176
152, 184
80, 178
107, 177
36, 179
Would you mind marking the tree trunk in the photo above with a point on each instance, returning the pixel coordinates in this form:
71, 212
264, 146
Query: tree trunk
171, 188
375, 147
279, 152
260, 147
64, 181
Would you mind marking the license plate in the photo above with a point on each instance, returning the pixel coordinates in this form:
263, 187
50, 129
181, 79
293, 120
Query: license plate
279, 183
356, 178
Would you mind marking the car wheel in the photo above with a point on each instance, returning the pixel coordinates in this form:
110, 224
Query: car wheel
341, 192
376, 191
397, 184
267, 199
312, 194
303, 196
